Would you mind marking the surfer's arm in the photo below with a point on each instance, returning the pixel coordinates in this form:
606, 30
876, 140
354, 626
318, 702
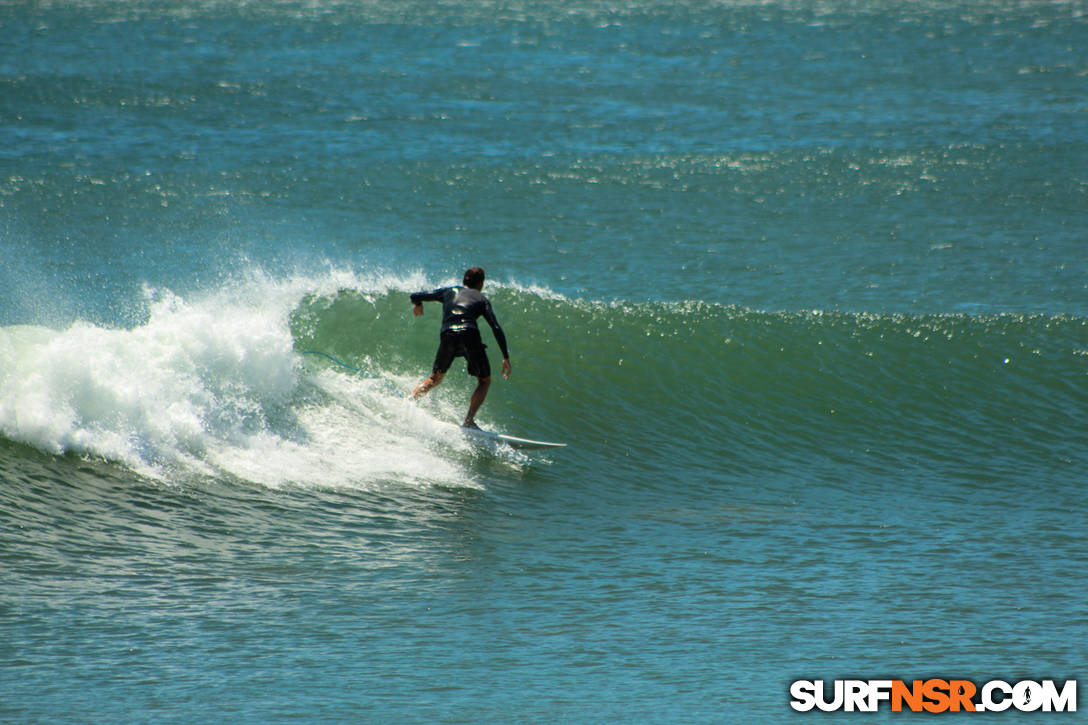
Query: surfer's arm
418, 298
500, 337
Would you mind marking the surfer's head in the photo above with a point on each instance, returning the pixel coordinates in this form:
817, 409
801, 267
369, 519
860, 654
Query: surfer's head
474, 278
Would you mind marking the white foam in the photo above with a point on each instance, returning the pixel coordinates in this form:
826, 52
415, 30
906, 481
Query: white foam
213, 385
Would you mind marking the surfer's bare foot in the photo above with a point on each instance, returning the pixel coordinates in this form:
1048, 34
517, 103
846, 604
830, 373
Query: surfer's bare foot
470, 424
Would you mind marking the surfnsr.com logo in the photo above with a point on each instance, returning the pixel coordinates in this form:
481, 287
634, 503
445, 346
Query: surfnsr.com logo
933, 695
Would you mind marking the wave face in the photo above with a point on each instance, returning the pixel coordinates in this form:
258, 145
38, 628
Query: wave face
226, 384
727, 378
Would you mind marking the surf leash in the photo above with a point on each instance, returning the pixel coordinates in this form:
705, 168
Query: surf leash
341, 363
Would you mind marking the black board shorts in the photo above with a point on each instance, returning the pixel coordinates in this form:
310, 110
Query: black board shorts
466, 344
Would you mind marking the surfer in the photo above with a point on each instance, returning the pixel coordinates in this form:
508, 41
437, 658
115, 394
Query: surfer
460, 337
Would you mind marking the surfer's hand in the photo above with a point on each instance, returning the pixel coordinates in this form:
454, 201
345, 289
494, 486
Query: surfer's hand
417, 309
506, 370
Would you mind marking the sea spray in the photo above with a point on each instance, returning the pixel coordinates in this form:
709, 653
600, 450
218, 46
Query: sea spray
154, 395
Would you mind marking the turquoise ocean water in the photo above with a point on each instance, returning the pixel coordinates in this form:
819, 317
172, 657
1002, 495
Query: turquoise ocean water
804, 285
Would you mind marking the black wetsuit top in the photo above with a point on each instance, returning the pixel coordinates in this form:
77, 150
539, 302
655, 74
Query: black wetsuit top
461, 306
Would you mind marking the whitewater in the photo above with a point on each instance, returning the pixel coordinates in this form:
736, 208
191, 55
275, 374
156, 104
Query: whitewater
216, 387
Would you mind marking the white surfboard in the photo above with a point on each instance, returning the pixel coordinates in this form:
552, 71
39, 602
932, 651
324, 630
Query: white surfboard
511, 440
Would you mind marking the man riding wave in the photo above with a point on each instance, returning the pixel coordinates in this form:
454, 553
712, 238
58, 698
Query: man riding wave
460, 337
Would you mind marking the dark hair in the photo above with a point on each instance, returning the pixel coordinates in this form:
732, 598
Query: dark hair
474, 277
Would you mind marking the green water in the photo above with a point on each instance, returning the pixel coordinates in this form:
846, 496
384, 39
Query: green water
802, 286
